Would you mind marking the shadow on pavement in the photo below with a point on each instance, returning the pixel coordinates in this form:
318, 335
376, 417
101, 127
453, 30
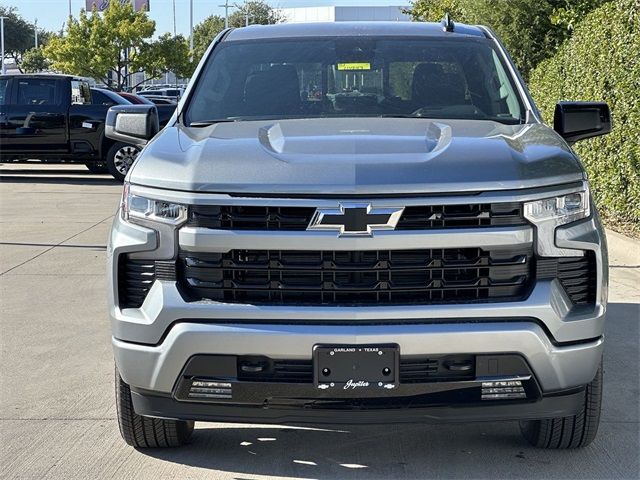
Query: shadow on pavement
80, 176
480, 450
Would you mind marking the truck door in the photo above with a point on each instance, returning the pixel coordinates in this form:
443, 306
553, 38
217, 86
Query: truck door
37, 117
5, 92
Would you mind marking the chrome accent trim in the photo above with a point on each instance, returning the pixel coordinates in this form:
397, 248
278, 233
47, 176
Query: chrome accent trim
196, 239
376, 200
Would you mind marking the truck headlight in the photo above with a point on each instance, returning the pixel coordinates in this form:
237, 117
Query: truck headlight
135, 207
559, 210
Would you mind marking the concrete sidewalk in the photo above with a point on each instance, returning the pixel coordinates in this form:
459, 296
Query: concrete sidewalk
57, 413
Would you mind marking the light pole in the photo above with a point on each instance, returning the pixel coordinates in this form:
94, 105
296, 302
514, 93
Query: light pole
69, 7
246, 12
226, 13
174, 18
35, 28
191, 28
2, 42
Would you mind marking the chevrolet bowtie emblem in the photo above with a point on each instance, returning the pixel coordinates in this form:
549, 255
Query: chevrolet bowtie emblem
355, 219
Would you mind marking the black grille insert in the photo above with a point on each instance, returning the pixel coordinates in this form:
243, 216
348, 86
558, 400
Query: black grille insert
413, 369
135, 278
234, 217
461, 216
428, 276
577, 275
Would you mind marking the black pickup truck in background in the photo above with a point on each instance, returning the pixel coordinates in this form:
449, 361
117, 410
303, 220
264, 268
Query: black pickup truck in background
52, 117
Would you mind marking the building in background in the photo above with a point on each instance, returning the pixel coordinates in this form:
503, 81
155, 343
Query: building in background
345, 14
101, 5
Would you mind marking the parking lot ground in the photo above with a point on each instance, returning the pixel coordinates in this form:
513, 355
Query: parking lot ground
57, 413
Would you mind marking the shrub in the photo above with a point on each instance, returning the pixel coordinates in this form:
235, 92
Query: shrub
601, 61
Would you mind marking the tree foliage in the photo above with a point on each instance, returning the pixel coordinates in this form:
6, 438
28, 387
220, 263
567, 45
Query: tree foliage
167, 53
204, 33
19, 35
113, 45
259, 13
601, 62
531, 30
34, 60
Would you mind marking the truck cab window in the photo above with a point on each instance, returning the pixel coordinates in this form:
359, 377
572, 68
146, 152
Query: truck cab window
38, 91
100, 98
4, 90
80, 93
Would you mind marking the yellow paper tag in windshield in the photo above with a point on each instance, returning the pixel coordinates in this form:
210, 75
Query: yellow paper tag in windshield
354, 66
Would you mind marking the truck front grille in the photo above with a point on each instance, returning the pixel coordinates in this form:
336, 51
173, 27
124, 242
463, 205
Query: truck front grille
427, 276
422, 217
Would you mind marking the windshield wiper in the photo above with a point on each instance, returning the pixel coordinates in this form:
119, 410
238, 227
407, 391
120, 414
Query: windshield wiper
504, 120
206, 123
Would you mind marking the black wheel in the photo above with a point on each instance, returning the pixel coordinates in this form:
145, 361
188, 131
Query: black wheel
97, 167
147, 432
119, 159
569, 432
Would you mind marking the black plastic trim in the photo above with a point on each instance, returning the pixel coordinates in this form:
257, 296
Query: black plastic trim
547, 407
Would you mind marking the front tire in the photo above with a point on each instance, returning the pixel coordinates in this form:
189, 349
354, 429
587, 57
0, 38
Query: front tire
120, 158
147, 432
569, 432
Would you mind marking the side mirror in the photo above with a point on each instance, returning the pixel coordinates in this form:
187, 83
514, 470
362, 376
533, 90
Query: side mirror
579, 120
135, 124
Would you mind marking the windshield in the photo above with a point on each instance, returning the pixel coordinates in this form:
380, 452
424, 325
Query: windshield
354, 76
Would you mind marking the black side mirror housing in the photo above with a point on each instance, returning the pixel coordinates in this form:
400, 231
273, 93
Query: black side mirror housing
579, 120
135, 124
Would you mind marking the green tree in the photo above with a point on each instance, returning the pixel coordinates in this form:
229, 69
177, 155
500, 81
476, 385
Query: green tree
601, 61
34, 60
19, 35
167, 54
259, 13
204, 33
532, 30
104, 46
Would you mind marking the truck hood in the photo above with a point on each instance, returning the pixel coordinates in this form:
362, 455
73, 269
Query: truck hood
355, 156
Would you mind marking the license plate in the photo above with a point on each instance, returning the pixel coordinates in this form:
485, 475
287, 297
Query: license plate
357, 368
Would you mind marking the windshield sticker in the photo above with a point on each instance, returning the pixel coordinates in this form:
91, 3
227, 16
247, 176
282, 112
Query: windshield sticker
354, 66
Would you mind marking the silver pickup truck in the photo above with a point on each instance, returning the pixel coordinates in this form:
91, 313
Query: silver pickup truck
358, 223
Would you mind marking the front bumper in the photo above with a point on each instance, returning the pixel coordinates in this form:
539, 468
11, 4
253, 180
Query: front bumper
157, 367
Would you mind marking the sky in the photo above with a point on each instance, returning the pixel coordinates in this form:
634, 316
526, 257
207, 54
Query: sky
51, 14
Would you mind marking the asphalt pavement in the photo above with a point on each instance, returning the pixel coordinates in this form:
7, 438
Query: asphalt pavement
57, 412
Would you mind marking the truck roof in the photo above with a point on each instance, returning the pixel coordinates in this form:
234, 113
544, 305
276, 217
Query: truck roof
44, 75
337, 29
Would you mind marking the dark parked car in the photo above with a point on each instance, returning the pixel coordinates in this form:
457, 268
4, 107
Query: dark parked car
135, 99
175, 93
165, 109
102, 96
158, 100
53, 117
59, 117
